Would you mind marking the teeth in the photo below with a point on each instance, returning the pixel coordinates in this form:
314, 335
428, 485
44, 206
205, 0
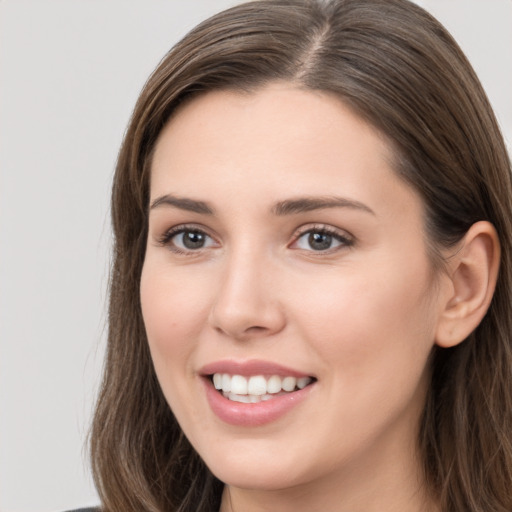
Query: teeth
256, 388
289, 383
257, 385
238, 385
248, 399
274, 384
245, 399
226, 383
217, 381
303, 382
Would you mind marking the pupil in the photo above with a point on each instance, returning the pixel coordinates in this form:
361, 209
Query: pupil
193, 240
319, 241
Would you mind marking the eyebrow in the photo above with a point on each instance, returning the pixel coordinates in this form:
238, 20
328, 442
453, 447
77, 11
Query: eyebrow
282, 208
307, 204
183, 203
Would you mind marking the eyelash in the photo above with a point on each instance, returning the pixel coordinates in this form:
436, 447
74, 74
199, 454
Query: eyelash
167, 239
345, 241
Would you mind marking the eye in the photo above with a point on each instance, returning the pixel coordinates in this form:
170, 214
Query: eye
191, 240
183, 239
321, 239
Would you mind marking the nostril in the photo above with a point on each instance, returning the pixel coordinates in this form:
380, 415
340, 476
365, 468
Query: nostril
246, 333
241, 311
256, 329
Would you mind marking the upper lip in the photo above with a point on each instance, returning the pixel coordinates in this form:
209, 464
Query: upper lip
249, 368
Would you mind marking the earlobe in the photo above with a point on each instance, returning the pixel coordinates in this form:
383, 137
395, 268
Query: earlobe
473, 271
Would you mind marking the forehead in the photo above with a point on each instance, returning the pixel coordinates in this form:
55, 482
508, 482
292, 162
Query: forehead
278, 140
305, 113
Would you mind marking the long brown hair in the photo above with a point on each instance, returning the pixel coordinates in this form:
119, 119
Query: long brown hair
400, 70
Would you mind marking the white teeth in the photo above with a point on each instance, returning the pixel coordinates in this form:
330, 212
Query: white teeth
217, 380
248, 399
245, 399
257, 385
256, 388
274, 384
289, 383
226, 382
303, 382
238, 385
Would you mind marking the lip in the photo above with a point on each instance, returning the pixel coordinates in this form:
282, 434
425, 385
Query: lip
253, 414
249, 368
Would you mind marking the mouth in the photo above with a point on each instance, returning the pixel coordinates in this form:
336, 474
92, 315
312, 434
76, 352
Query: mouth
257, 388
254, 393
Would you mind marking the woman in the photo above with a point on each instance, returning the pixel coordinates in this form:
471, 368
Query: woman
310, 296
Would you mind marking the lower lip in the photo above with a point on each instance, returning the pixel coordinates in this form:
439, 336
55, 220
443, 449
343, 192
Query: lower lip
253, 415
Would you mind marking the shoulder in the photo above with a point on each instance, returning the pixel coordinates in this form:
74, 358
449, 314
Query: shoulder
89, 509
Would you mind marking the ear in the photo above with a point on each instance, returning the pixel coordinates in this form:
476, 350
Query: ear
472, 275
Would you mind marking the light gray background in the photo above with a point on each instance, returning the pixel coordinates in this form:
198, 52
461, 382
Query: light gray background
70, 72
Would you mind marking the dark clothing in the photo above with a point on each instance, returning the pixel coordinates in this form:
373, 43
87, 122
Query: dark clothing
90, 509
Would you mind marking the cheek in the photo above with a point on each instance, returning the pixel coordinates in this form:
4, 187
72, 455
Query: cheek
174, 313
373, 337
373, 321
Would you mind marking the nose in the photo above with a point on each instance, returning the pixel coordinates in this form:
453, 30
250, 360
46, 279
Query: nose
246, 305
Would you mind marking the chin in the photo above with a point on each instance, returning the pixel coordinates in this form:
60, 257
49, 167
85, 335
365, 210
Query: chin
258, 479
262, 468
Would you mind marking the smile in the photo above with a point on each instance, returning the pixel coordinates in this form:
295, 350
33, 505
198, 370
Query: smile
257, 388
255, 392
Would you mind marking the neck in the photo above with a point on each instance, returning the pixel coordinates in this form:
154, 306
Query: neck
386, 483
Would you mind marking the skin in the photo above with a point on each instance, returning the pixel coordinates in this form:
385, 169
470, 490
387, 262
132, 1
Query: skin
360, 317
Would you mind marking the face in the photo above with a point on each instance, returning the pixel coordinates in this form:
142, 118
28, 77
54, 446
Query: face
286, 265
